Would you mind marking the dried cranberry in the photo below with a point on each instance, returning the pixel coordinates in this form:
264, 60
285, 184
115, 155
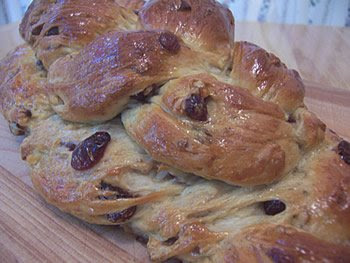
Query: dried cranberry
122, 216
344, 151
273, 207
169, 42
90, 151
291, 119
53, 31
196, 108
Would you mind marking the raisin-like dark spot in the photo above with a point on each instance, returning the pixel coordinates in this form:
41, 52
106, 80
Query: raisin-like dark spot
141, 97
184, 6
136, 12
143, 240
169, 42
17, 129
40, 65
53, 31
70, 145
144, 95
37, 30
107, 187
196, 108
122, 216
344, 151
291, 119
171, 241
119, 193
273, 207
279, 256
90, 151
28, 113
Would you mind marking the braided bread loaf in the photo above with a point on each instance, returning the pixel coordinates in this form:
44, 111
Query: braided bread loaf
150, 116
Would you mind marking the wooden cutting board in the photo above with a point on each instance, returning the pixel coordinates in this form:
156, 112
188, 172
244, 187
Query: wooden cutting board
33, 231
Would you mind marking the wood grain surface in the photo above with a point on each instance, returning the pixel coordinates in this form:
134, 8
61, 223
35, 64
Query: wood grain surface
33, 231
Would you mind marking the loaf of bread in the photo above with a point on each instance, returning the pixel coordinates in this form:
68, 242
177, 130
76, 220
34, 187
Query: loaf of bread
150, 116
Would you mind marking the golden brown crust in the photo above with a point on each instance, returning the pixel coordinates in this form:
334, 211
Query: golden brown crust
189, 217
58, 28
243, 140
331, 182
95, 84
279, 243
205, 26
247, 126
308, 228
48, 150
266, 76
310, 130
22, 90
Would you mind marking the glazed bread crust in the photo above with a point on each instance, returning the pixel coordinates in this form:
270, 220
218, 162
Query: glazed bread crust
96, 84
57, 28
23, 99
242, 136
242, 140
191, 218
88, 194
266, 76
149, 116
205, 26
